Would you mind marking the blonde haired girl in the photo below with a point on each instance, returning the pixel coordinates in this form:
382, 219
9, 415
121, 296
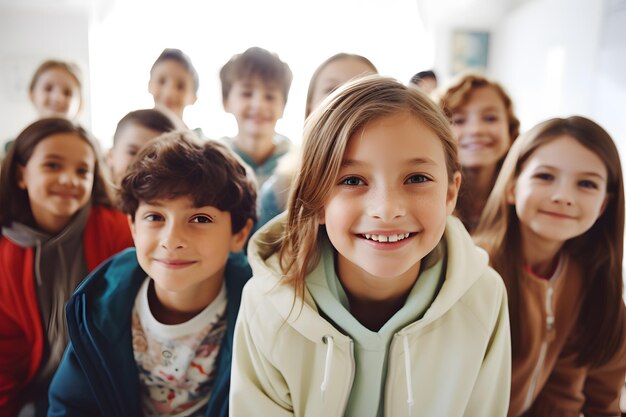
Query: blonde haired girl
368, 299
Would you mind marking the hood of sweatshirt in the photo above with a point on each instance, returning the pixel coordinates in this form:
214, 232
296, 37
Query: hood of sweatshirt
465, 264
59, 265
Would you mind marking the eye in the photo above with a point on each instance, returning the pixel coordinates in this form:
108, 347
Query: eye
153, 217
161, 80
82, 172
544, 176
53, 166
202, 219
67, 93
181, 86
246, 93
48, 87
458, 120
352, 181
417, 179
270, 97
491, 118
588, 184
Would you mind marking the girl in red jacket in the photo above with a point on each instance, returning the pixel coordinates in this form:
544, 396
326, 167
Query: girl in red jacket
57, 225
554, 230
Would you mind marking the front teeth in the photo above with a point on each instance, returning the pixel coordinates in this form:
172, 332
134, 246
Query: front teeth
387, 238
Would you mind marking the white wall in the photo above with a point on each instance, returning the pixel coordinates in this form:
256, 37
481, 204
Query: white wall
27, 38
564, 57
546, 54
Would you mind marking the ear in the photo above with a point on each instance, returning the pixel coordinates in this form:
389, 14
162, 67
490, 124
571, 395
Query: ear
150, 86
131, 225
509, 193
20, 176
239, 239
453, 192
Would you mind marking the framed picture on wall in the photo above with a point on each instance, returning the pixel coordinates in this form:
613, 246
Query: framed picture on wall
470, 51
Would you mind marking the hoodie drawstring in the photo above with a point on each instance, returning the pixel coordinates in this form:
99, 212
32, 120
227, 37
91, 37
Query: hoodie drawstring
330, 345
407, 370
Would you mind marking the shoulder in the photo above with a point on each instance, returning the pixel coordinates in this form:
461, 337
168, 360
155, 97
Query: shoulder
118, 268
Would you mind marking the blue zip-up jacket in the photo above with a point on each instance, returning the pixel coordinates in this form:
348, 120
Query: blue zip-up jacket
98, 374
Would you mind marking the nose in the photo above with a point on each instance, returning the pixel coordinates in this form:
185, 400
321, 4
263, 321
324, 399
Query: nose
172, 237
57, 96
386, 203
68, 178
474, 125
563, 194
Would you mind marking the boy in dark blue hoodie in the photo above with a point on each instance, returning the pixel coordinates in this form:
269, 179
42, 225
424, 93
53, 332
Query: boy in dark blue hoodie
151, 329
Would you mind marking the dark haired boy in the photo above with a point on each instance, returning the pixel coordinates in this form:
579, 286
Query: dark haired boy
174, 81
255, 87
151, 329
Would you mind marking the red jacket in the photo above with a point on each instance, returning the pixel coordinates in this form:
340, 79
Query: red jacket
21, 333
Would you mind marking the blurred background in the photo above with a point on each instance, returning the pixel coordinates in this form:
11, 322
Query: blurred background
555, 57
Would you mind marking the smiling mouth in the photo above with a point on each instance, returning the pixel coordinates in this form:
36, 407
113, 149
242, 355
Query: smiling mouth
65, 195
558, 215
386, 238
174, 263
475, 146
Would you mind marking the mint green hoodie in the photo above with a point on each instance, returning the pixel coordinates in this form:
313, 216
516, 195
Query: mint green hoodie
370, 348
289, 359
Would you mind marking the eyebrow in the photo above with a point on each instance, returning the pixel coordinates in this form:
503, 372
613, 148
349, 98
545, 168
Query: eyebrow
61, 158
586, 173
347, 163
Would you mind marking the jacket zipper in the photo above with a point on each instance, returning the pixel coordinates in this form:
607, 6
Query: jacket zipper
542, 353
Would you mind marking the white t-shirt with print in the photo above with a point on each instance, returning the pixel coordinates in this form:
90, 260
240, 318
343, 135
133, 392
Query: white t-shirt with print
176, 363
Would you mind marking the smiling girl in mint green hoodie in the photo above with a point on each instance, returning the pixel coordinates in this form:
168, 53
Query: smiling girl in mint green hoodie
368, 299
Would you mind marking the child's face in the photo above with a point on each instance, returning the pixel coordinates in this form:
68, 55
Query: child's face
132, 137
58, 179
389, 206
183, 248
335, 74
172, 86
482, 128
257, 106
56, 94
560, 192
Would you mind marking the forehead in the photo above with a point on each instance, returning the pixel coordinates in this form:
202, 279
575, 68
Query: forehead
178, 204
136, 133
57, 75
395, 139
483, 97
255, 82
171, 68
68, 146
567, 154
343, 69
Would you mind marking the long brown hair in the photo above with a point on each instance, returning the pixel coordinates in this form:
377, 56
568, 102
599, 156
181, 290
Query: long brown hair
14, 202
326, 134
600, 249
